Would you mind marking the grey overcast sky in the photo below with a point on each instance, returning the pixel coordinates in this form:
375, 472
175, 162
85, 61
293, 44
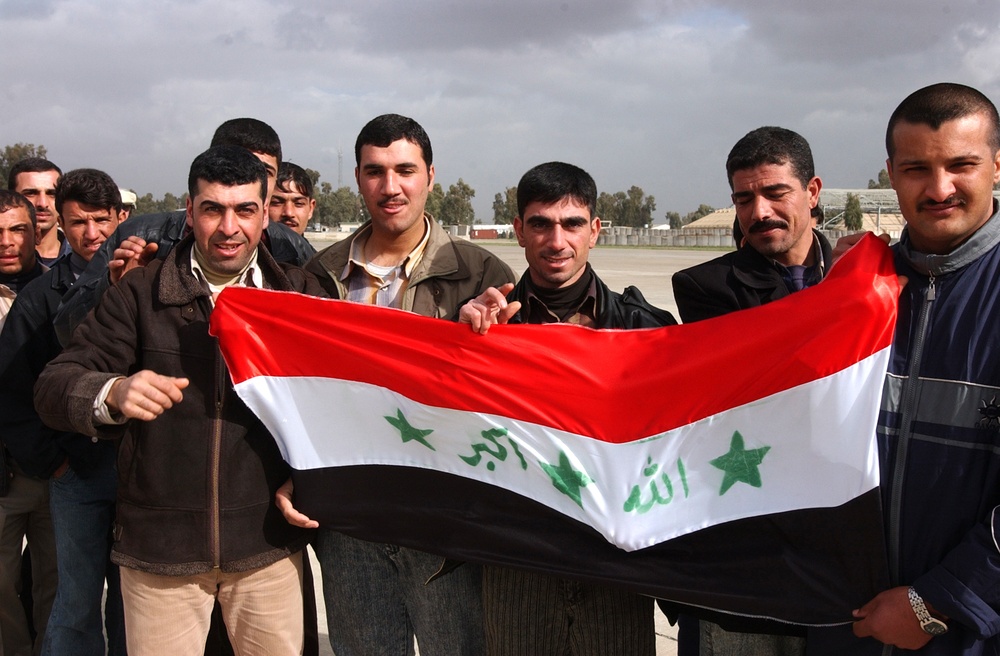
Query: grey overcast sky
638, 92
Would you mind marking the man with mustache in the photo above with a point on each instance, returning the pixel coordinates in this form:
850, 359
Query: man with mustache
557, 225
378, 596
939, 422
35, 179
152, 236
292, 202
775, 189
195, 520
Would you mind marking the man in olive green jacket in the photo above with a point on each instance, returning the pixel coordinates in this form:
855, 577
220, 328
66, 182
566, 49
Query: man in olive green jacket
378, 596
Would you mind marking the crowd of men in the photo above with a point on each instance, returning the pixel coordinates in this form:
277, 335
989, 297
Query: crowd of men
130, 464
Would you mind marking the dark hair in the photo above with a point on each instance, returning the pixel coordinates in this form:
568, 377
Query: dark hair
88, 187
772, 145
551, 182
29, 165
938, 103
229, 166
387, 128
289, 172
10, 199
256, 136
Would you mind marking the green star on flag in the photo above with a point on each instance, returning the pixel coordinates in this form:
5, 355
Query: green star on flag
566, 479
740, 464
408, 432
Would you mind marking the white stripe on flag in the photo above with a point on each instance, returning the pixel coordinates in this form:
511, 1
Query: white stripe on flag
813, 443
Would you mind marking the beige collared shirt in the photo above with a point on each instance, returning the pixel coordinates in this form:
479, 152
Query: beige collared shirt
251, 276
375, 285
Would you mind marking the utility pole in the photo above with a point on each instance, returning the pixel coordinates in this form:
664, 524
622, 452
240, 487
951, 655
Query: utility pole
340, 167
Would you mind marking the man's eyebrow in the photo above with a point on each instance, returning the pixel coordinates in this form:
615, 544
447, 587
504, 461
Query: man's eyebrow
965, 157
538, 218
781, 186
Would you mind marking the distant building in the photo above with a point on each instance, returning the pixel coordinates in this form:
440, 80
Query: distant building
721, 218
492, 231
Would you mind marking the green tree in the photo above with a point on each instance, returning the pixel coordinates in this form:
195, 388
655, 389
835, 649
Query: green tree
882, 182
334, 208
674, 219
609, 207
12, 154
347, 207
636, 208
626, 208
435, 200
456, 208
505, 206
853, 217
145, 204
703, 210
170, 203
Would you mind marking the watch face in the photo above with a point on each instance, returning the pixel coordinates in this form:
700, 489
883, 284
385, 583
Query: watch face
934, 627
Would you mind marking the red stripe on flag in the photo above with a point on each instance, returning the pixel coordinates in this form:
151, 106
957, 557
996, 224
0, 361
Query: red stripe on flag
579, 380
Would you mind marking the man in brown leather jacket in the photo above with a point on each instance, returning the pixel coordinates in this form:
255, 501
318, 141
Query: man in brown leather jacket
196, 519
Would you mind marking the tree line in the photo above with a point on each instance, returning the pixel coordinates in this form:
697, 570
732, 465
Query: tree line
622, 208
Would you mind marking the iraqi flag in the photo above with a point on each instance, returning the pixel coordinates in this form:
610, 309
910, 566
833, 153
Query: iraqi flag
728, 464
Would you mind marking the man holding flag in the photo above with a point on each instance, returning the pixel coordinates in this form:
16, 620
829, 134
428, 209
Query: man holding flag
527, 612
379, 595
196, 519
775, 189
939, 428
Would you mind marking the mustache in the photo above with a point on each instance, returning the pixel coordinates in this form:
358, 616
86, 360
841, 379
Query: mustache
947, 202
768, 224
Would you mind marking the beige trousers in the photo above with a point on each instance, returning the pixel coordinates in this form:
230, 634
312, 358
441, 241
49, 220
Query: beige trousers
171, 615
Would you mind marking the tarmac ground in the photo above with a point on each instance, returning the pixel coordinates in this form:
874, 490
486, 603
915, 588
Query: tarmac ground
649, 269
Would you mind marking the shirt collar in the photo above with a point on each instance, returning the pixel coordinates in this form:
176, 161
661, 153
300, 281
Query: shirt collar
818, 264
357, 258
251, 277
585, 314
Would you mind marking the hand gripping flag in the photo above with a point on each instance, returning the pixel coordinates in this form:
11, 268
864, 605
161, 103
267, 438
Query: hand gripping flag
727, 465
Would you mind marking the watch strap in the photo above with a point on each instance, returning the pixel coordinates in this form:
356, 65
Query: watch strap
928, 622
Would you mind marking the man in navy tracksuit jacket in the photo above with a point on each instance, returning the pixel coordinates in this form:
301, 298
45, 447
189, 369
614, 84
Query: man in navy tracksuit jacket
939, 426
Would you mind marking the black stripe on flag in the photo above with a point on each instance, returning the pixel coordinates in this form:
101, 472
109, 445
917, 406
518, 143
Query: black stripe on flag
809, 567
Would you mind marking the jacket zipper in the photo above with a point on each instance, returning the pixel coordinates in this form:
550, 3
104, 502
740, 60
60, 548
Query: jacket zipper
911, 387
214, 473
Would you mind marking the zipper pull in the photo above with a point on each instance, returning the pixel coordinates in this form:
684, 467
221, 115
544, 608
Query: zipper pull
931, 294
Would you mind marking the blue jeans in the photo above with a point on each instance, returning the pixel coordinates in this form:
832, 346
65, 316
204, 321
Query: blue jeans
378, 596
83, 510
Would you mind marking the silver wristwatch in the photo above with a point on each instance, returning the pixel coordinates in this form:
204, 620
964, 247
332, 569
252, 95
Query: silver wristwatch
928, 623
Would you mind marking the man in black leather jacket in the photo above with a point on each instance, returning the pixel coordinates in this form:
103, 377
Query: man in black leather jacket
775, 190
528, 613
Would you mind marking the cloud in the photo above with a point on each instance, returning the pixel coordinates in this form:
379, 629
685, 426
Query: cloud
644, 92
